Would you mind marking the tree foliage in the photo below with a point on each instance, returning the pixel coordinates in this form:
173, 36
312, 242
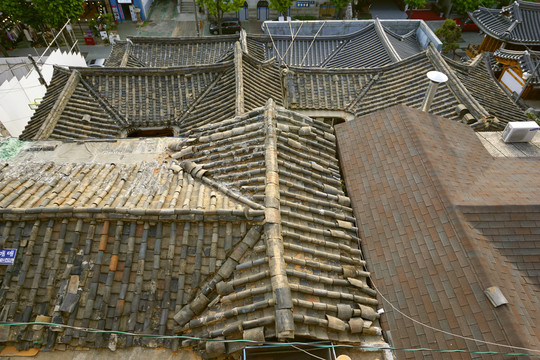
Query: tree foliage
282, 6
21, 11
359, 6
217, 8
340, 7
464, 6
449, 33
414, 4
38, 12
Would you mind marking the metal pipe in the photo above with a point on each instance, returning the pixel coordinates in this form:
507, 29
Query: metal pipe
435, 79
40, 76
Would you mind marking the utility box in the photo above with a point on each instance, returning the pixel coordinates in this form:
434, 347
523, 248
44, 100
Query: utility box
520, 131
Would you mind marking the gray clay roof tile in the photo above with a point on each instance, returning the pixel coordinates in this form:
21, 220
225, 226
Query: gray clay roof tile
517, 23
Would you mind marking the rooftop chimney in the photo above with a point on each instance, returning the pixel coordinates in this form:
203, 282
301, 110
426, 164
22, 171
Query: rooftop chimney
435, 78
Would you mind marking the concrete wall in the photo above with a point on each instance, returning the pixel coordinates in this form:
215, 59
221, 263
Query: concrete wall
134, 353
425, 35
144, 5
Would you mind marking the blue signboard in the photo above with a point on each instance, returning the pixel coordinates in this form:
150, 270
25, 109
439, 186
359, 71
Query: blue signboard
304, 3
7, 256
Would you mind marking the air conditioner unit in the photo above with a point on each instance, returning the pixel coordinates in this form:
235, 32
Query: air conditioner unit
519, 131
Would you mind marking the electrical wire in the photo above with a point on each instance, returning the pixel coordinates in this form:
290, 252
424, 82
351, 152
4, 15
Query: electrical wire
311, 44
274, 46
429, 326
293, 37
447, 332
292, 344
307, 352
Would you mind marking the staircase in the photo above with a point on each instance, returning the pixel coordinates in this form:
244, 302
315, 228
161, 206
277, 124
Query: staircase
80, 29
187, 7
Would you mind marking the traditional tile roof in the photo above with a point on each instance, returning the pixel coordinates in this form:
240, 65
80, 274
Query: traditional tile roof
107, 102
372, 45
478, 80
362, 91
442, 222
529, 61
160, 52
241, 230
517, 23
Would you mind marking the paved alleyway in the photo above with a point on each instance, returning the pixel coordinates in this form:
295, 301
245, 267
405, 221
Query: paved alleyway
386, 9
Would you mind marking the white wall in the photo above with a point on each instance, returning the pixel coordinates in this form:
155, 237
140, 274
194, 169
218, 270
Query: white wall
15, 95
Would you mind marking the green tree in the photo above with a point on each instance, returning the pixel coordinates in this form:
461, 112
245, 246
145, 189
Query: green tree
414, 4
38, 12
217, 8
22, 11
56, 12
359, 6
449, 33
464, 6
282, 6
340, 7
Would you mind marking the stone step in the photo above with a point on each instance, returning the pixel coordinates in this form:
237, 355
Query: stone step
187, 7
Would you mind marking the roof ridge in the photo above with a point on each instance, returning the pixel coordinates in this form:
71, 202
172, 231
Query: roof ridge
202, 300
193, 39
401, 37
196, 102
106, 105
197, 171
126, 55
52, 118
386, 42
461, 92
335, 52
239, 79
273, 232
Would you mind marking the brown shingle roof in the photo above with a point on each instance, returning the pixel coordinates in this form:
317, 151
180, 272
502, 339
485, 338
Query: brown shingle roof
441, 221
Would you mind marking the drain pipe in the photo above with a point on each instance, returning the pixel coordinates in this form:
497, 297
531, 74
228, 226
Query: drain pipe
435, 79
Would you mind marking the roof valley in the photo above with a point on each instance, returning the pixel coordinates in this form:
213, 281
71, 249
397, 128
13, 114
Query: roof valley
106, 105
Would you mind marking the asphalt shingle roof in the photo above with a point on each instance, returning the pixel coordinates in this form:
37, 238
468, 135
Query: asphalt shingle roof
441, 221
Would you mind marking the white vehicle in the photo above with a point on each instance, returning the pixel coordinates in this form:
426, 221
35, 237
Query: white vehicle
96, 63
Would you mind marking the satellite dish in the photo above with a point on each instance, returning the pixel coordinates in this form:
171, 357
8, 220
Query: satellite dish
437, 76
